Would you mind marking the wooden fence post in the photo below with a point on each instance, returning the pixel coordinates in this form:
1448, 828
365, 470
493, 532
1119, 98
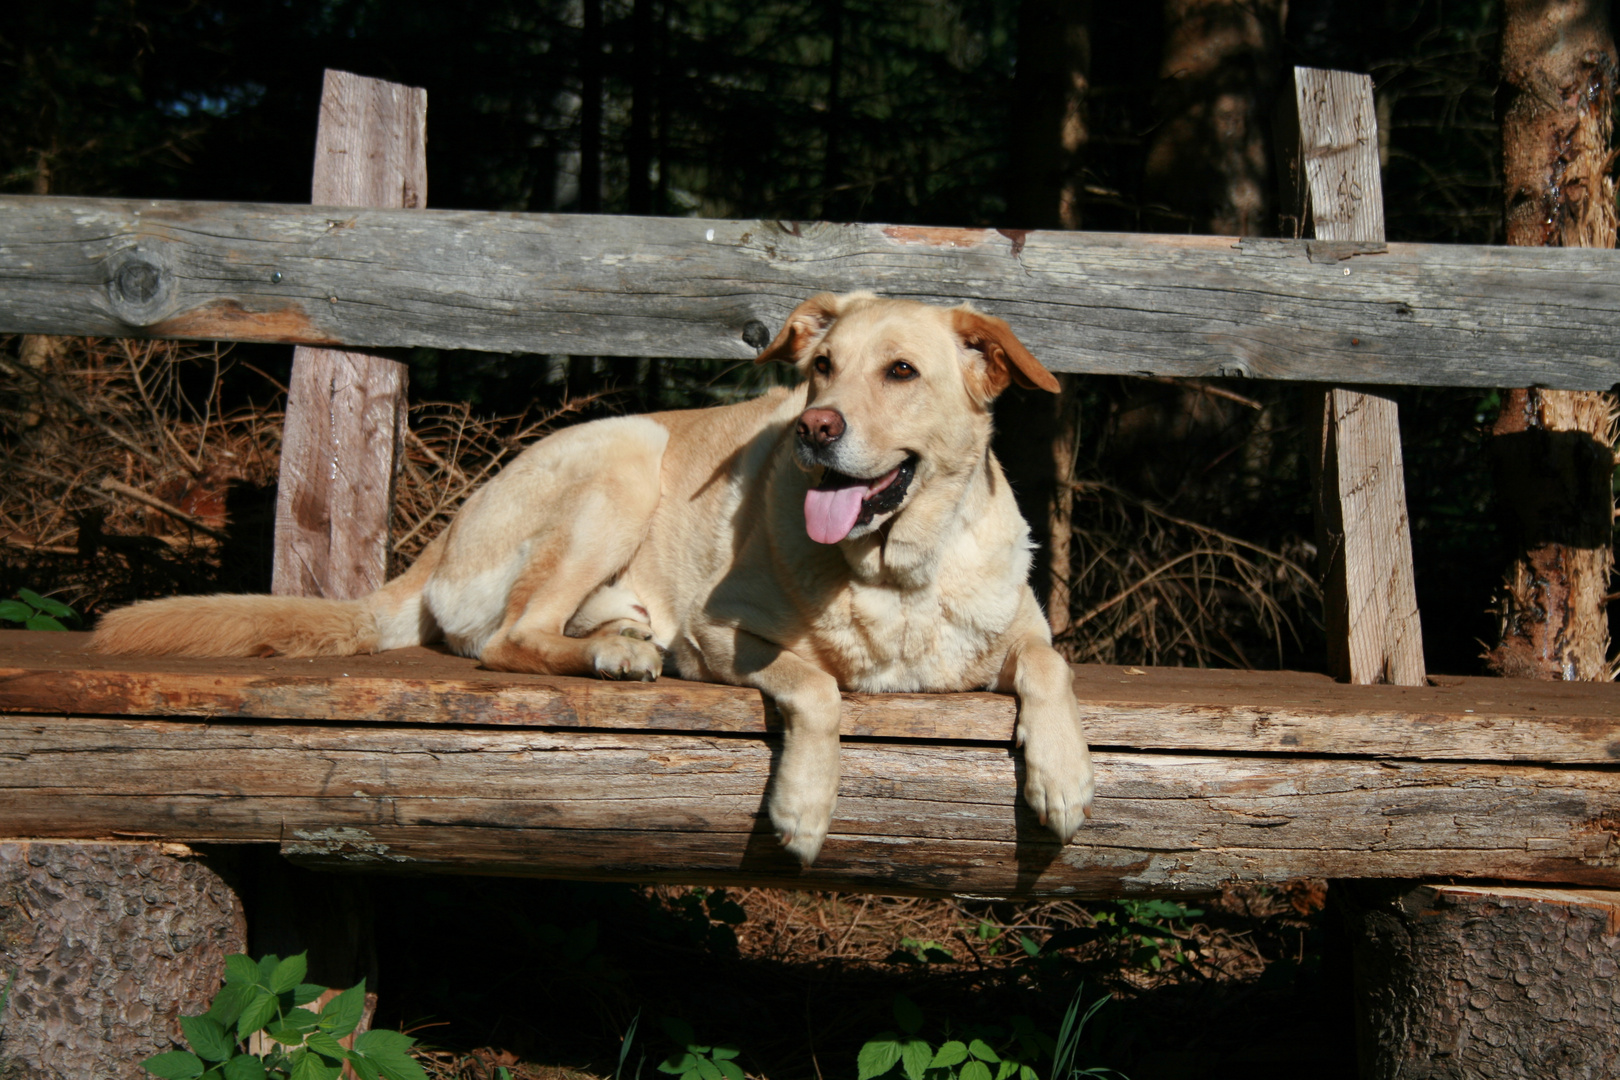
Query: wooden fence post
1374, 635
346, 411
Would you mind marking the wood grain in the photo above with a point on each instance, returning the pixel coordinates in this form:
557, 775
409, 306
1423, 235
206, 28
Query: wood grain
1449, 315
1171, 709
918, 817
1373, 627
346, 411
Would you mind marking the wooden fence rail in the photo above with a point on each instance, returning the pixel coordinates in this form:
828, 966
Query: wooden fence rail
1331, 311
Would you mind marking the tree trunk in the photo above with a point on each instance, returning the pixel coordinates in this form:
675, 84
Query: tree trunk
1462, 983
590, 109
1554, 449
1049, 124
108, 944
1038, 436
1209, 168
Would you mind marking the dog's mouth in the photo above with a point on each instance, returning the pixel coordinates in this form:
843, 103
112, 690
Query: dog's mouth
839, 504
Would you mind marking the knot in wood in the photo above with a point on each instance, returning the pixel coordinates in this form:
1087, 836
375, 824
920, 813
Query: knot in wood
756, 334
138, 282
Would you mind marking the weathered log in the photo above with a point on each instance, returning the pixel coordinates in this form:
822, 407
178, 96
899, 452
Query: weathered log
1449, 315
1368, 591
109, 944
465, 771
1456, 982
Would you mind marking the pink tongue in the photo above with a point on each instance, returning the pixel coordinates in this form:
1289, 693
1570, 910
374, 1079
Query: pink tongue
830, 514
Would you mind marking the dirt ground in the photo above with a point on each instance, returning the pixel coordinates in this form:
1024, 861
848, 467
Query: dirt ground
543, 979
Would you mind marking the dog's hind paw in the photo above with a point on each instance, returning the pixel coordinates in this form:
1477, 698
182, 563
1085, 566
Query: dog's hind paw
621, 656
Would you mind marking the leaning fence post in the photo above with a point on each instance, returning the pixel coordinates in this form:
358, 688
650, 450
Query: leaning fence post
346, 410
1374, 635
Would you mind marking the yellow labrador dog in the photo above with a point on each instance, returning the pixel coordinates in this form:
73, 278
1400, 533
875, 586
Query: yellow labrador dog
854, 533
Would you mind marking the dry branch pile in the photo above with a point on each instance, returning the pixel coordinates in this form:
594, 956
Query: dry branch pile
135, 469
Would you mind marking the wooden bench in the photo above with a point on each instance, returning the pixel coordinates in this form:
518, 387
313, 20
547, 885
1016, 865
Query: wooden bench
416, 761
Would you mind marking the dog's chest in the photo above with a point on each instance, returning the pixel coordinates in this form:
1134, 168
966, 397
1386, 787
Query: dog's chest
923, 640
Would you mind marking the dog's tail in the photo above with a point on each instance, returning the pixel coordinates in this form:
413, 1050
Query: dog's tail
224, 625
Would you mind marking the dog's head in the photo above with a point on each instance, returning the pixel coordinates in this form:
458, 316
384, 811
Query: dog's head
900, 397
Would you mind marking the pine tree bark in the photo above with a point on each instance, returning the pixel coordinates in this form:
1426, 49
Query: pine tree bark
109, 944
1038, 435
1209, 166
1456, 983
1554, 450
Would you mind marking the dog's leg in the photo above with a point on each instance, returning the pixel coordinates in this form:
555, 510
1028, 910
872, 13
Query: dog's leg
805, 784
1058, 782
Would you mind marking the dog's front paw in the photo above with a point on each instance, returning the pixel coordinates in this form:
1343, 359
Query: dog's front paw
1058, 780
620, 656
803, 795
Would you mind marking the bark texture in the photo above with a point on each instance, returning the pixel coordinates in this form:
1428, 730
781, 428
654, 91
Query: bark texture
109, 944
1454, 983
1554, 449
1210, 164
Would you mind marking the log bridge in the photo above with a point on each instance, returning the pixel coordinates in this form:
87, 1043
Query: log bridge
417, 761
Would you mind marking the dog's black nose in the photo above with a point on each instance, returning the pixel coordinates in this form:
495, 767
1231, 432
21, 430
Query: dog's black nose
820, 427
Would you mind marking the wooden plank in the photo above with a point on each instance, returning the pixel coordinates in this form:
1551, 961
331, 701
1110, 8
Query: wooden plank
1170, 709
923, 818
1373, 627
1449, 315
346, 411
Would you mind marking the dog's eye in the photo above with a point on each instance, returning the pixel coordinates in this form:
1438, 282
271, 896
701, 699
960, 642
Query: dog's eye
822, 364
900, 371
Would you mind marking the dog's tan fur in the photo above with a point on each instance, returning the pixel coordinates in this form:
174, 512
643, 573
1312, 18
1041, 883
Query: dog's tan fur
605, 547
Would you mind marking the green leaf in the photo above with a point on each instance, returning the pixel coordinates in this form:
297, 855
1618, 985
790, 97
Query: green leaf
244, 1067
43, 622
256, 1013
311, 1067
974, 1070
364, 1067
31, 598
915, 1054
1027, 1073
983, 1051
207, 1037
383, 1041
240, 969
907, 1014
708, 1070
228, 1003
288, 974
304, 993
398, 1065
49, 606
174, 1065
724, 1052
950, 1055
301, 1020
679, 1031
12, 611
342, 1014
325, 1045
1008, 1067
731, 1070
285, 1034
1030, 948
878, 1056
678, 1064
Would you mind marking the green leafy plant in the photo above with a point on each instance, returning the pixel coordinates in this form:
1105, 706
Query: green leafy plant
691, 1060
921, 951
1149, 928
36, 612
297, 1044
982, 1052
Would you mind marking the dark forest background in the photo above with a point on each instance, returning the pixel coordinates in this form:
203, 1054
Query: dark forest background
913, 111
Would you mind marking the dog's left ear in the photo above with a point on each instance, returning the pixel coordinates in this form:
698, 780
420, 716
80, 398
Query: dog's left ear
1005, 358
808, 322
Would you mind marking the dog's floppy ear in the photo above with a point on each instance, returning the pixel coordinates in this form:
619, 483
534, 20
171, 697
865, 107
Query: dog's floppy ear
1005, 358
806, 323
